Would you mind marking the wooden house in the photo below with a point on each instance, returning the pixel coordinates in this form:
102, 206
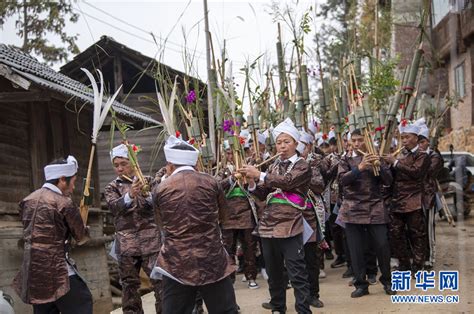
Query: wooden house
137, 73
46, 115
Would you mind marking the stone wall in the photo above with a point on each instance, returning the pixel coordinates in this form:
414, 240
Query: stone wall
462, 140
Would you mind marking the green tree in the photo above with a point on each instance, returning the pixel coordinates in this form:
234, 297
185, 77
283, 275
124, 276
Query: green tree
35, 19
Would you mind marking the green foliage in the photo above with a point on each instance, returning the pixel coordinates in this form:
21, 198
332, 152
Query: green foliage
382, 83
42, 17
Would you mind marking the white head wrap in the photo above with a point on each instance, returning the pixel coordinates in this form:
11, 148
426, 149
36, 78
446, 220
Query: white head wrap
306, 137
245, 134
262, 139
119, 151
424, 131
61, 170
286, 127
331, 134
226, 145
312, 126
300, 148
409, 128
179, 156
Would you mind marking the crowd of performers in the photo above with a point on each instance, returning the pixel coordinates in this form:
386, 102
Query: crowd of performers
191, 231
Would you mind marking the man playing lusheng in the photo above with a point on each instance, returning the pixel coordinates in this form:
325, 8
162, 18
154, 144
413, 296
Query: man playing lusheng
137, 238
410, 168
364, 213
285, 187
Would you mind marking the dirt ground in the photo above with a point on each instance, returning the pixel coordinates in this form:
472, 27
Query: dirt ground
455, 251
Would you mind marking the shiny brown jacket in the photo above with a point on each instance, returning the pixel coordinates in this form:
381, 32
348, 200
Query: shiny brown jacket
317, 186
238, 207
190, 205
362, 197
49, 219
136, 231
430, 184
281, 220
409, 176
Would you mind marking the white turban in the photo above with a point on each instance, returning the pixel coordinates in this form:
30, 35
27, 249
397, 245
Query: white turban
262, 139
119, 151
331, 134
312, 126
226, 145
179, 156
286, 127
306, 137
300, 148
245, 134
424, 131
57, 171
407, 127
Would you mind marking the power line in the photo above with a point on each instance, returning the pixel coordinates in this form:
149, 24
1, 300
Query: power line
132, 34
133, 26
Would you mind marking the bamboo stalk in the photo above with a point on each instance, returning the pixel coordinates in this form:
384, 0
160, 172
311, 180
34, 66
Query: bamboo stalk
83, 208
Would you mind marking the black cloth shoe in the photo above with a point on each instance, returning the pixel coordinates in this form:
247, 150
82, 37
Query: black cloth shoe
348, 273
267, 305
359, 292
339, 262
389, 291
372, 279
329, 255
316, 302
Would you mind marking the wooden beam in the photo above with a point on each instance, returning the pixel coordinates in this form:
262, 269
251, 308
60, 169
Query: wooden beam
15, 78
24, 96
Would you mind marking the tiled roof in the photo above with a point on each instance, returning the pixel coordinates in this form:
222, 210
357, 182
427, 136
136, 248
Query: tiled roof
30, 68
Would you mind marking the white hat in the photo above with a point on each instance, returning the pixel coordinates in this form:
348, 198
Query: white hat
119, 151
424, 131
179, 156
306, 137
407, 127
57, 171
286, 127
313, 126
300, 148
331, 134
226, 145
262, 139
246, 135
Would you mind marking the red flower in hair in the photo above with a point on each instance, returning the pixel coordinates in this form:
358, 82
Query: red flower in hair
325, 137
242, 140
191, 141
404, 122
178, 134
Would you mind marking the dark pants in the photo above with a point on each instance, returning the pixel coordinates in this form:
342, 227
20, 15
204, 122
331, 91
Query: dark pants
337, 234
289, 252
249, 247
357, 240
312, 256
415, 222
219, 297
371, 256
78, 300
129, 271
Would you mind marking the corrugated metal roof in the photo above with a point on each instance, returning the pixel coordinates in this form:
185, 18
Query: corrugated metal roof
30, 68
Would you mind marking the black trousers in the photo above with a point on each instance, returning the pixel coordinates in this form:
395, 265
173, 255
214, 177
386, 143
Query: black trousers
337, 234
289, 252
312, 256
357, 239
219, 297
78, 300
